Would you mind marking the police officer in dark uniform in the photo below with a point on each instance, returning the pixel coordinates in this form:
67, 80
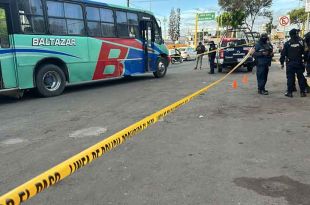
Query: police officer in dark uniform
212, 56
263, 55
293, 54
307, 41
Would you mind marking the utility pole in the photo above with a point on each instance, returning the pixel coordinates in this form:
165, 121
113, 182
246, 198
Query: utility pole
127, 3
196, 29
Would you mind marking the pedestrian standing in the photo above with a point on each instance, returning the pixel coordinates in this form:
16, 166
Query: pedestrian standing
263, 55
212, 56
293, 54
201, 49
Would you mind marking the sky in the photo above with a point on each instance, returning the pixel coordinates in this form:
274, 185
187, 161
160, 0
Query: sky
162, 8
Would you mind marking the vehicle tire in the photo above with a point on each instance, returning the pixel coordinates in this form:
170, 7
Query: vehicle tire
161, 69
250, 68
50, 81
172, 61
220, 68
181, 60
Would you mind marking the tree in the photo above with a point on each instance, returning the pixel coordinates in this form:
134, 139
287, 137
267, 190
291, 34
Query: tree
233, 19
178, 23
252, 8
174, 24
298, 16
270, 26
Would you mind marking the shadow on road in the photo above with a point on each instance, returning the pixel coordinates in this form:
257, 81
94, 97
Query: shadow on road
31, 94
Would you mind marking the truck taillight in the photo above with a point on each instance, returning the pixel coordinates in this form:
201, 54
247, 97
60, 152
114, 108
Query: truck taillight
221, 54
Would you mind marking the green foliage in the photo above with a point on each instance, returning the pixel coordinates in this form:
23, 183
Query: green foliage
298, 16
270, 26
251, 8
233, 19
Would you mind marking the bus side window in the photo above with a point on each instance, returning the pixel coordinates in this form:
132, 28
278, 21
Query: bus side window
65, 18
122, 26
4, 35
93, 21
107, 23
74, 18
31, 16
133, 25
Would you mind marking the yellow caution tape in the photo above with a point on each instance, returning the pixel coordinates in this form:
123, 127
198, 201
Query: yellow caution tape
68, 167
214, 51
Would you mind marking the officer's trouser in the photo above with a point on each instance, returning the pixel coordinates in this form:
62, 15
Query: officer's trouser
212, 64
262, 75
199, 60
292, 69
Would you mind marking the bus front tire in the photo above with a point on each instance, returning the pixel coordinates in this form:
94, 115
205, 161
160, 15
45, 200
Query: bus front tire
50, 81
161, 69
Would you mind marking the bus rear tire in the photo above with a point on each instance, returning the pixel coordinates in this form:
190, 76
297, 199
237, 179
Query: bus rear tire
50, 81
161, 68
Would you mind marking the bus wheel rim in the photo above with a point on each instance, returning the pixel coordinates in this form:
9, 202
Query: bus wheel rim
161, 67
51, 80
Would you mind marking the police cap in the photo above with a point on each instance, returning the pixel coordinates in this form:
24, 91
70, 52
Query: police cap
294, 32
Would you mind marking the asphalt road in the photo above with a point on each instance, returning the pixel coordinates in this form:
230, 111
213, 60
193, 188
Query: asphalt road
229, 146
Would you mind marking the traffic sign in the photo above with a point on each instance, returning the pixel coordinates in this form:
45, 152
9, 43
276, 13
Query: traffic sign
284, 21
206, 16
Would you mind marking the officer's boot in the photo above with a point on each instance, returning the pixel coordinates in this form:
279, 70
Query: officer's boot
289, 94
263, 92
303, 94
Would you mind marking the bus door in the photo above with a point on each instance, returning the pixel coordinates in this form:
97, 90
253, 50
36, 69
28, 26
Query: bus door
148, 45
8, 78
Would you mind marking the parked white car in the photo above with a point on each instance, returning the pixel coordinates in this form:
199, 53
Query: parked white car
188, 53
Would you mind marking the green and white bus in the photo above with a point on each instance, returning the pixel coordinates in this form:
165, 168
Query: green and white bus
48, 44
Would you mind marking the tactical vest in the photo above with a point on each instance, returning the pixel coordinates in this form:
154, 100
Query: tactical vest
295, 50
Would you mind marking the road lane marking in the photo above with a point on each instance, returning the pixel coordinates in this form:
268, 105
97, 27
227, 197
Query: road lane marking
88, 132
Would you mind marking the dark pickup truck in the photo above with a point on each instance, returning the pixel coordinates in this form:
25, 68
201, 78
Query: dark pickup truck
232, 53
